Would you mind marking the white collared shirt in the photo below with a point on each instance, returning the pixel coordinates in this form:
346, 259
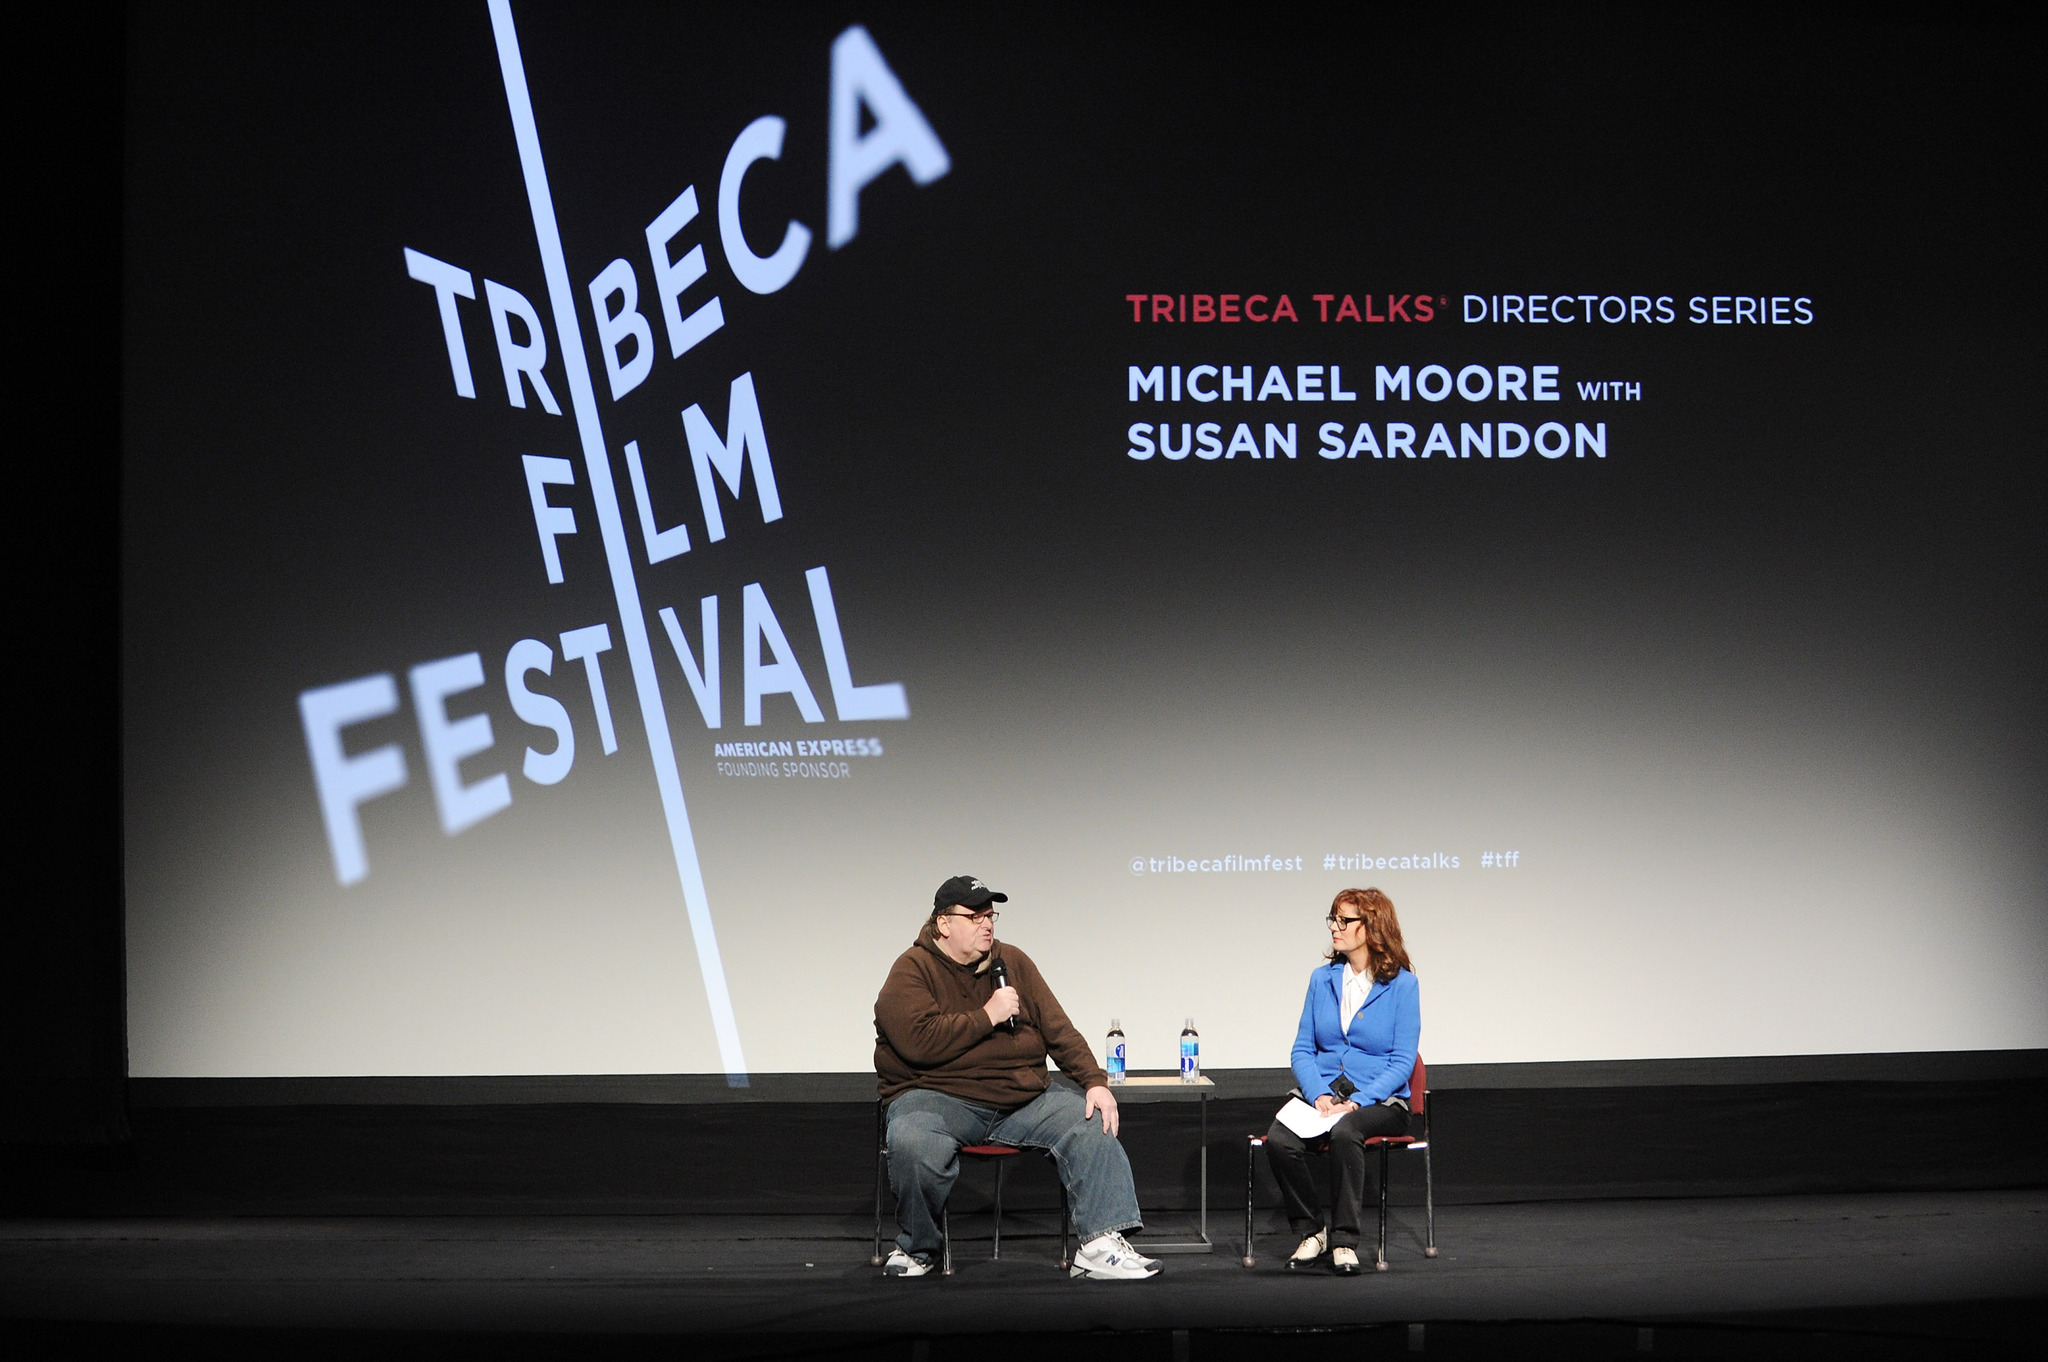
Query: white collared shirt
1356, 986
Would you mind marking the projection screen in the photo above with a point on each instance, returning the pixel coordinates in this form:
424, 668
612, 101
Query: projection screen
621, 502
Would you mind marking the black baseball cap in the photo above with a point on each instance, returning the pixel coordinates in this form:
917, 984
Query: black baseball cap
968, 892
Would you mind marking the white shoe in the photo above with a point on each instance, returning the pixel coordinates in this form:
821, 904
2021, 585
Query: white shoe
1110, 1258
903, 1264
1312, 1248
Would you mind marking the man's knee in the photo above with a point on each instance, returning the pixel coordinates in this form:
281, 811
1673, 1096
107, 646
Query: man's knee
1083, 1127
921, 1144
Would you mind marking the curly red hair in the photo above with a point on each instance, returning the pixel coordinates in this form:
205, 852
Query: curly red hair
1382, 930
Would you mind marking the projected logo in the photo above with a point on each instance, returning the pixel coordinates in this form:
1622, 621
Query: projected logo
897, 133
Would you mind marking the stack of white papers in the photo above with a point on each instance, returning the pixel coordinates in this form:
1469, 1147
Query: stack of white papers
1305, 1121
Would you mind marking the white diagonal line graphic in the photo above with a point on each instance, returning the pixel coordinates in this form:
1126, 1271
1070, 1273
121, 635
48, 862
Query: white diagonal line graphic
617, 551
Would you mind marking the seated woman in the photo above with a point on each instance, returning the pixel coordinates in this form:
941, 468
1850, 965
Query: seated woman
1353, 1053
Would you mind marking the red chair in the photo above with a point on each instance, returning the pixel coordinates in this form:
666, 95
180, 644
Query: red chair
1000, 1155
1418, 1111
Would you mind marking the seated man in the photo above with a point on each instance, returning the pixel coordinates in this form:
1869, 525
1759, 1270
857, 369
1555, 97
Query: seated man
961, 1061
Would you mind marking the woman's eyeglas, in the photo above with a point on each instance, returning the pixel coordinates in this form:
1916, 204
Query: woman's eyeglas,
1335, 921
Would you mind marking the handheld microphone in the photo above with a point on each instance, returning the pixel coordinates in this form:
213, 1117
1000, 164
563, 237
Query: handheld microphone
1002, 978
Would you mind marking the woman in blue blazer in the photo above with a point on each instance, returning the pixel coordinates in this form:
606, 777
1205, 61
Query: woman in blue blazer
1352, 1055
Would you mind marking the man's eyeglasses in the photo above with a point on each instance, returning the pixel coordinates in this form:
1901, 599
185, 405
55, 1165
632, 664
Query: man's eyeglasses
1336, 921
989, 916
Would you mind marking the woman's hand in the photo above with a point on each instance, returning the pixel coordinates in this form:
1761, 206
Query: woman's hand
1327, 1106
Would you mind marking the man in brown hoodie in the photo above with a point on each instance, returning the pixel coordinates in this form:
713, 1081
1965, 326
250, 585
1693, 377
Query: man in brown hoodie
962, 1030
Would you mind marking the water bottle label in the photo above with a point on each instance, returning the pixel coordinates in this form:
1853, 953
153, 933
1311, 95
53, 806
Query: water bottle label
1116, 1063
1190, 1062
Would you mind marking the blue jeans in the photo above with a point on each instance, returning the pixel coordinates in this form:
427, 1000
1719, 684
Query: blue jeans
926, 1130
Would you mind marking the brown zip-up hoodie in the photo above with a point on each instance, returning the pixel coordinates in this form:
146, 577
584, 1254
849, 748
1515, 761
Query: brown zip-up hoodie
931, 1032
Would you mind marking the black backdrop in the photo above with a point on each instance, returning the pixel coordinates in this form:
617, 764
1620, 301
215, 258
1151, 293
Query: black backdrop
64, 1059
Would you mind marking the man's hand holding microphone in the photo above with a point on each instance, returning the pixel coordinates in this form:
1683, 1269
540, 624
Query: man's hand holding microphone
1002, 1007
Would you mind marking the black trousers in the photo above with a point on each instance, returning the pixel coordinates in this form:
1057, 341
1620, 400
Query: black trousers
1288, 1155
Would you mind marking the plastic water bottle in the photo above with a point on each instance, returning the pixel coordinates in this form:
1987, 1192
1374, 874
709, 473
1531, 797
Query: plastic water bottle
1114, 1049
1190, 1054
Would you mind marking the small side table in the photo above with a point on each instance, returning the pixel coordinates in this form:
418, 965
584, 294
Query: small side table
1145, 1089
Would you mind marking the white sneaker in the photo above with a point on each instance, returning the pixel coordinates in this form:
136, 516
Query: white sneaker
1110, 1258
1311, 1249
903, 1264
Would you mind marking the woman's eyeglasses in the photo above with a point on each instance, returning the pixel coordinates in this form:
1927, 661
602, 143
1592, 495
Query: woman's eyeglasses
1334, 921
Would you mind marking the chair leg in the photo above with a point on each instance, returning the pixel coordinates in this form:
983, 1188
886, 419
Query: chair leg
1252, 1145
1000, 1163
1379, 1262
1066, 1227
1429, 1202
945, 1241
881, 1170
881, 1167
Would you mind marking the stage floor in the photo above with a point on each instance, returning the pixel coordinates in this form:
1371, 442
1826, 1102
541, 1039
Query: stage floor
1858, 1260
